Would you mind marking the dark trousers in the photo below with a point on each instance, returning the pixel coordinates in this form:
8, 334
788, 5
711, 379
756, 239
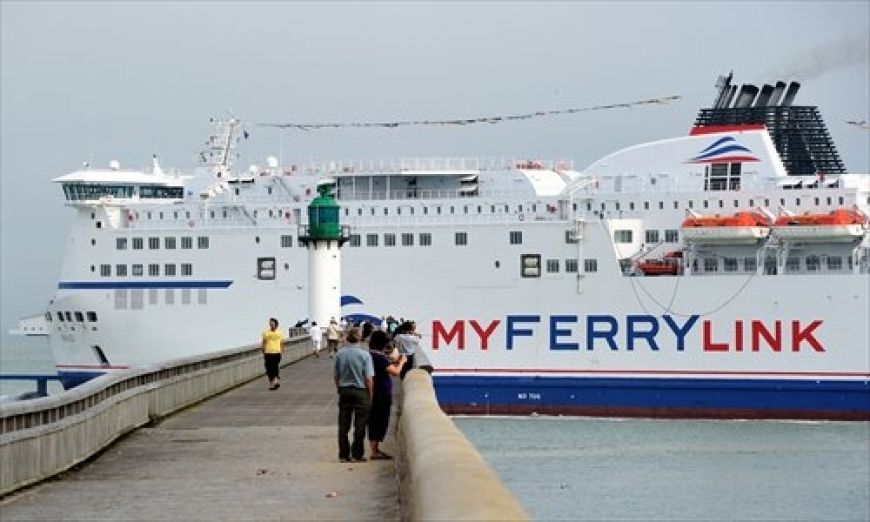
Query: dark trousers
272, 361
409, 365
352, 402
379, 417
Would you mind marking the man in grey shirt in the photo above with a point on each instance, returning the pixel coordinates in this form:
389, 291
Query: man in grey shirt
354, 379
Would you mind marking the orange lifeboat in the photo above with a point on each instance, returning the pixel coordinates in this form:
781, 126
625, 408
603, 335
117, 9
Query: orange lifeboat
838, 225
742, 227
668, 265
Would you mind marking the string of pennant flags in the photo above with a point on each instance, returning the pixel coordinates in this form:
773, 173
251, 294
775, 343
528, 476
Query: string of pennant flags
471, 121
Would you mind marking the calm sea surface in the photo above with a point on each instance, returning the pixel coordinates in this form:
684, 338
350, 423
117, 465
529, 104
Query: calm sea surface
603, 469
25, 355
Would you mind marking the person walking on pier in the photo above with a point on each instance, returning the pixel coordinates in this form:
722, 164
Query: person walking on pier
382, 399
332, 337
271, 344
408, 342
316, 338
354, 380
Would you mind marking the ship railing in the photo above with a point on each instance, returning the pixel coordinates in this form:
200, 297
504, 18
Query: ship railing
423, 164
363, 194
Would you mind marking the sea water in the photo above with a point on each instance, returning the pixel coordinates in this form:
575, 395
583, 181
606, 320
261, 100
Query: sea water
25, 355
621, 469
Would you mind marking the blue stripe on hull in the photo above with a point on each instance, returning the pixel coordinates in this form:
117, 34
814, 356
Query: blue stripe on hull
69, 379
661, 397
120, 285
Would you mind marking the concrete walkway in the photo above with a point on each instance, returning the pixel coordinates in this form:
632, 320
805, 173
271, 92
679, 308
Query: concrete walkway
249, 454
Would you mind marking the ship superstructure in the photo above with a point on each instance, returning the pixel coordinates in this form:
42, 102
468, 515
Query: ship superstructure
691, 276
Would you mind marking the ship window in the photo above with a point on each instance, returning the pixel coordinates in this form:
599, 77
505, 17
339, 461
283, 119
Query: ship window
782, 201
121, 243
661, 205
631, 206
372, 240
399, 211
186, 242
813, 263
588, 207
749, 264
68, 316
93, 268
186, 269
691, 204
169, 296
706, 204
652, 236
736, 203
138, 243
792, 264
730, 264
161, 215
153, 243
256, 212
716, 177
672, 236
269, 190
460, 238
835, 263
48, 317
622, 236
425, 239
80, 317
617, 205
590, 265
840, 199
407, 239
491, 209
516, 237
766, 202
147, 192
390, 240
534, 207
121, 270
224, 214
149, 215
105, 270
816, 201
519, 208
93, 242
751, 202
571, 237
797, 202
202, 242
355, 240
257, 239
92, 317
136, 270
60, 317
266, 268
425, 210
386, 211
452, 209
237, 191
465, 209
152, 296
154, 269
202, 296
829, 200
571, 265
552, 266
530, 265
721, 203
646, 205
373, 210
438, 210
169, 243
121, 299
286, 241
711, 264
676, 205
603, 206
169, 269
359, 211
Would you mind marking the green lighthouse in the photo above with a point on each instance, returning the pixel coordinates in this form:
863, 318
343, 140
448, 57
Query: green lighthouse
323, 236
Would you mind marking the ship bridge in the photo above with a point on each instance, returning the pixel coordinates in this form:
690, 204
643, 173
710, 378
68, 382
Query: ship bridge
92, 185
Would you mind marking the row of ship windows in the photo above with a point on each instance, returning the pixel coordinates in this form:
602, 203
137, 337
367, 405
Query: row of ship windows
530, 265
707, 203
69, 317
135, 299
811, 263
451, 209
169, 243
138, 270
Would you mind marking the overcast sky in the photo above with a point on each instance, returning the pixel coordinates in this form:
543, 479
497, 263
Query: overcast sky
88, 81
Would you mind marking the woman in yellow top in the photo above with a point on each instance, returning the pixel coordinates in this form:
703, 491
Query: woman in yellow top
271, 344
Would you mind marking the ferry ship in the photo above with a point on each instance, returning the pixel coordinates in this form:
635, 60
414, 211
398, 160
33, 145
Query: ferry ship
720, 274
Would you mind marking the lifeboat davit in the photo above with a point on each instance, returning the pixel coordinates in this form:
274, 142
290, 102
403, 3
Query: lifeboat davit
742, 227
838, 225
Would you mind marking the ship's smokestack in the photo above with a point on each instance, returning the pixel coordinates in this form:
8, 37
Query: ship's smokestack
790, 93
764, 96
731, 93
777, 94
746, 96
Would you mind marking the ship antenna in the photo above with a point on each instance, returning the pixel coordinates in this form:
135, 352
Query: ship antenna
219, 151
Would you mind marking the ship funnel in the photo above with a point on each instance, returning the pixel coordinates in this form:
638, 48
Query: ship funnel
746, 96
730, 98
764, 96
790, 93
777, 94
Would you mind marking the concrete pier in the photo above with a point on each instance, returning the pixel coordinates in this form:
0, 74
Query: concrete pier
247, 454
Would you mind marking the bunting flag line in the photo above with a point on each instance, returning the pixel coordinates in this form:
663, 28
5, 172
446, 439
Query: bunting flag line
471, 121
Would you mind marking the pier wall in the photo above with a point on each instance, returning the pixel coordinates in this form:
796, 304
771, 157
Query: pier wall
441, 474
42, 437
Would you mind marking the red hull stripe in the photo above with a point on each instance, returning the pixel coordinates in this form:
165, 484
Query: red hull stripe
716, 129
649, 372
